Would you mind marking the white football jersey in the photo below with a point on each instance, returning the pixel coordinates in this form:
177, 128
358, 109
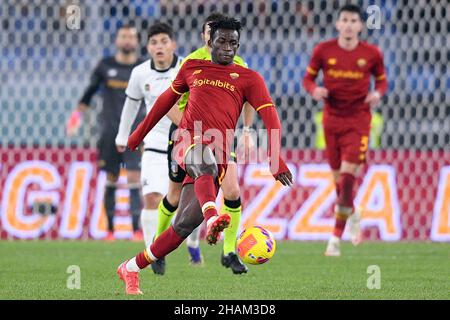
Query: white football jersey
148, 83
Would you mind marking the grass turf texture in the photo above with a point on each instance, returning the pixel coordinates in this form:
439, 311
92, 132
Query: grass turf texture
37, 270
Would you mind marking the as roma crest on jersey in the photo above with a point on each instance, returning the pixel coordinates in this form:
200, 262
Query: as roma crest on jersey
147, 87
361, 62
332, 61
234, 75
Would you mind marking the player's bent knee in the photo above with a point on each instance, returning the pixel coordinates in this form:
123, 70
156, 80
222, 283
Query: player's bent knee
197, 170
173, 196
231, 193
200, 160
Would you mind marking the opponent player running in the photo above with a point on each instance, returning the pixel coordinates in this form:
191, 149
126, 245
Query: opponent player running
148, 80
230, 185
112, 73
218, 89
347, 65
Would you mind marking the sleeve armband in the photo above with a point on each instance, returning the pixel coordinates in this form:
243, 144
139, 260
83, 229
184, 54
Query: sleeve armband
311, 71
265, 106
173, 89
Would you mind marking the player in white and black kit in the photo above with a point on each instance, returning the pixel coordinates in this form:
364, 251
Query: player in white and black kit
148, 80
111, 75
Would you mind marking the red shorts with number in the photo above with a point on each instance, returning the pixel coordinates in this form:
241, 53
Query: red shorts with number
184, 141
346, 138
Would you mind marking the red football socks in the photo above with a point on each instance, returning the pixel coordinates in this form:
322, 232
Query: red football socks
206, 192
168, 241
339, 226
345, 195
142, 260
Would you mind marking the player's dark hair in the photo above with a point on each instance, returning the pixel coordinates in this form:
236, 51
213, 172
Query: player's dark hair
160, 27
126, 26
215, 16
353, 8
226, 23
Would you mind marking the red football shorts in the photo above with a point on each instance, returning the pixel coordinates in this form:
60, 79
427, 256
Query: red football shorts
185, 141
346, 138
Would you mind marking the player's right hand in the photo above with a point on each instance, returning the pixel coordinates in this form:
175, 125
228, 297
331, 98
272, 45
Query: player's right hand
74, 122
320, 93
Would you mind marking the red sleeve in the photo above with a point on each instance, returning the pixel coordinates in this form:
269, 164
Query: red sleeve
180, 85
379, 73
258, 96
161, 107
256, 93
312, 70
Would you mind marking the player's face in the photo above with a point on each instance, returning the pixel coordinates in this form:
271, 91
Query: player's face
127, 40
224, 46
349, 25
161, 48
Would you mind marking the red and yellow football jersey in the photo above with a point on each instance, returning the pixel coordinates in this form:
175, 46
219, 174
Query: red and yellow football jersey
218, 93
346, 75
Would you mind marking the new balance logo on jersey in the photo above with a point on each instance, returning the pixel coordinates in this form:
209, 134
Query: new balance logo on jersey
196, 72
234, 75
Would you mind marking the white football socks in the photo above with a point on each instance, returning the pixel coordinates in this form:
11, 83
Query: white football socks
149, 223
132, 265
193, 240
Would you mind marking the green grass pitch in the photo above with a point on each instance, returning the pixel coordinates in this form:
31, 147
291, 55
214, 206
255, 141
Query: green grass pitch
38, 270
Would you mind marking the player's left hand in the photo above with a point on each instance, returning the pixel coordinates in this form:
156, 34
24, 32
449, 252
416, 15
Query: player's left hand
373, 99
285, 178
281, 173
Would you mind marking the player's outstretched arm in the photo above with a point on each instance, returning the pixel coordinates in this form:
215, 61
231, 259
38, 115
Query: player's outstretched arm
258, 96
161, 107
129, 113
175, 114
278, 167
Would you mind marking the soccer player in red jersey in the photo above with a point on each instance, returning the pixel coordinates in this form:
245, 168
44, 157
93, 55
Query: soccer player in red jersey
347, 64
218, 90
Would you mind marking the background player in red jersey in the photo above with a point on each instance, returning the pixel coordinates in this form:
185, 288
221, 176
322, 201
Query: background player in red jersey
347, 64
218, 90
